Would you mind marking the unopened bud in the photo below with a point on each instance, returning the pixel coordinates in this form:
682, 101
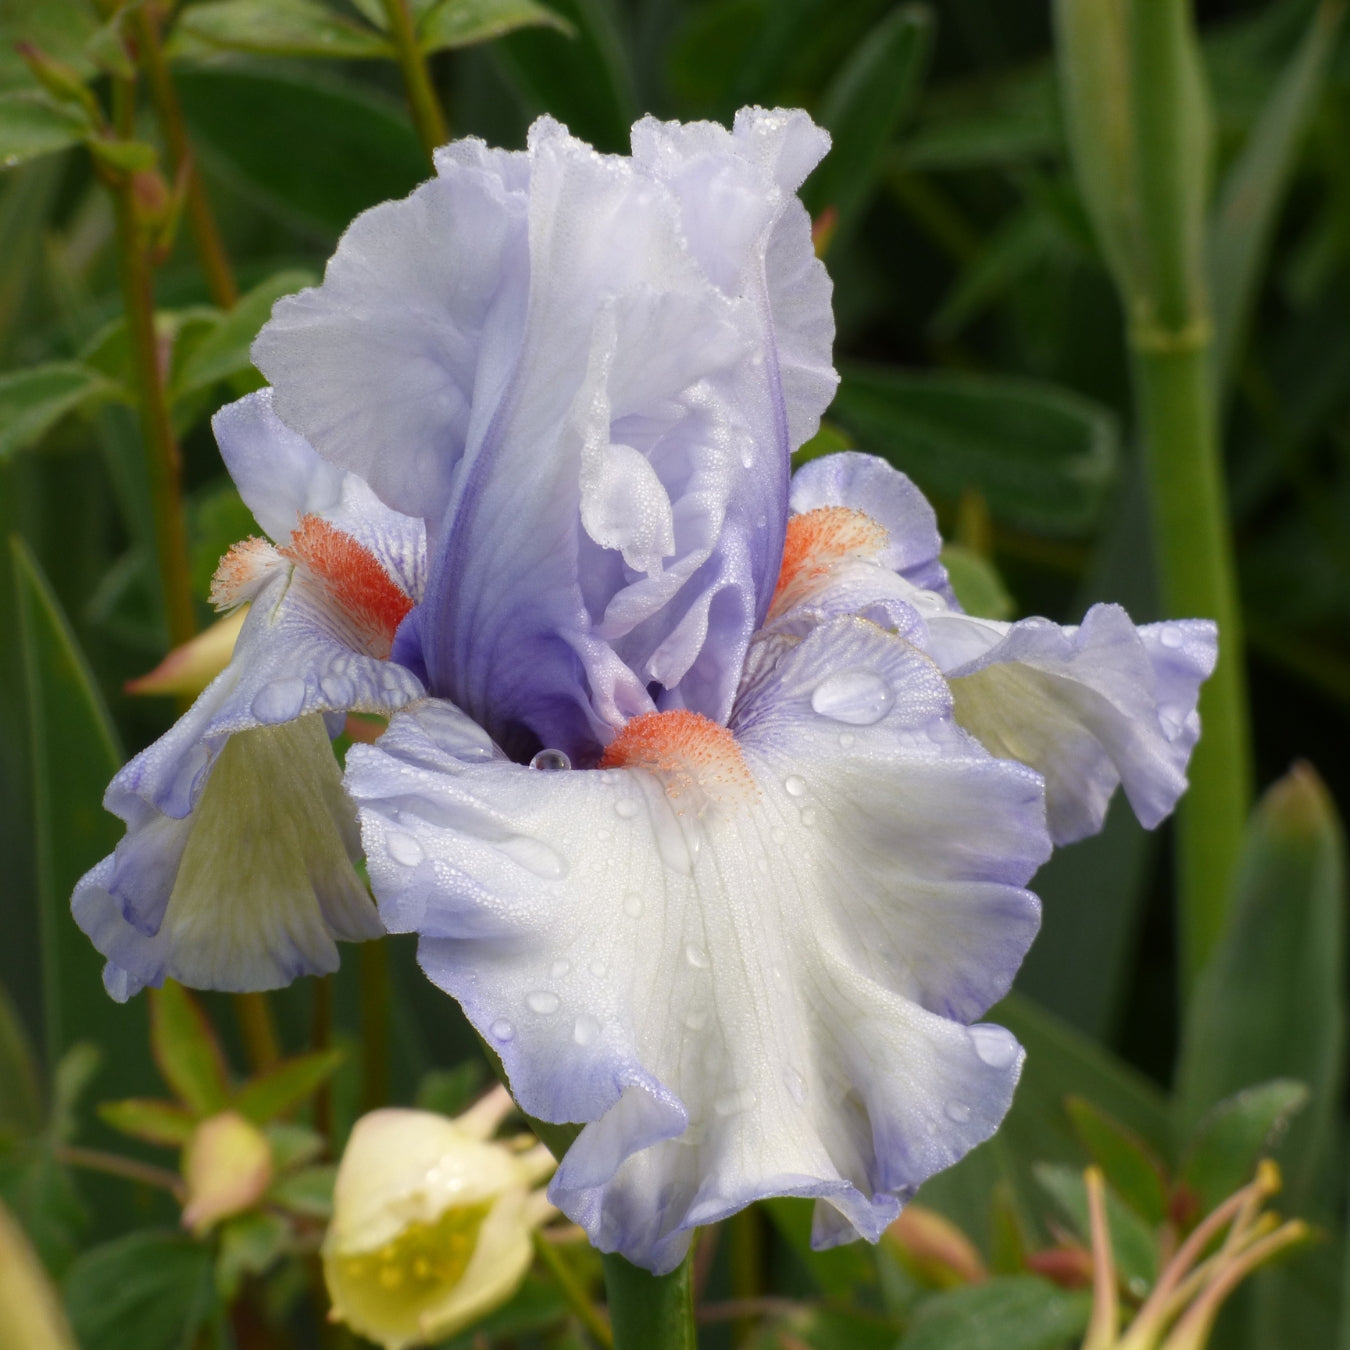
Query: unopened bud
227, 1166
933, 1249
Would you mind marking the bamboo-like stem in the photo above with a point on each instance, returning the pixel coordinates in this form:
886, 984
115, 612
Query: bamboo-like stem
746, 1234
115, 1165
163, 459
650, 1312
256, 1025
428, 118
585, 1311
205, 234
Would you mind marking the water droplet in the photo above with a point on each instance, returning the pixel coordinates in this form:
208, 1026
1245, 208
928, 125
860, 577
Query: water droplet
403, 848
846, 739
609, 776
932, 1127
603, 836
778, 834
795, 1084
338, 690
696, 956
279, 701
733, 1103
632, 905
794, 785
958, 1112
858, 697
502, 1030
550, 761
696, 1020
626, 808
585, 1030
542, 1001
599, 969
535, 856
1173, 718
762, 865
808, 816
559, 968
1171, 637
996, 1046
928, 602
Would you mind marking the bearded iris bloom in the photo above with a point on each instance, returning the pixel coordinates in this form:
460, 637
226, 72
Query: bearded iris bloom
706, 800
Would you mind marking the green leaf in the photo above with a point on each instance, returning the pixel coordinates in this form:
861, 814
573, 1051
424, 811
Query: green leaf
34, 400
450, 1091
32, 125
1132, 1240
20, 1096
314, 150
977, 583
154, 1121
993, 121
75, 1070
583, 80
839, 1272
308, 1192
151, 1289
275, 28
40, 1192
249, 1245
286, 1085
461, 23
1042, 457
74, 754
1016, 1312
224, 351
1233, 1135
1131, 1168
292, 1145
1249, 199
187, 1051
1270, 1003
863, 107
124, 156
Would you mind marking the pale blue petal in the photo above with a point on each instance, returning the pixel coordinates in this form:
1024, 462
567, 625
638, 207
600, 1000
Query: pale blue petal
767, 998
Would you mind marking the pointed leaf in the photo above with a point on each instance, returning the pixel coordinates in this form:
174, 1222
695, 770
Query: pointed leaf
275, 28
1254, 188
1016, 1312
308, 1192
249, 1245
1234, 1135
1270, 1003
864, 106
156, 1122
286, 1085
187, 1051
32, 125
1132, 1240
1132, 1169
1042, 457
461, 23
20, 1096
34, 400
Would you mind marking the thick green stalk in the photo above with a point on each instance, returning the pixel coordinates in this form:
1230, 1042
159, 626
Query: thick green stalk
164, 461
258, 1029
650, 1312
1170, 338
427, 116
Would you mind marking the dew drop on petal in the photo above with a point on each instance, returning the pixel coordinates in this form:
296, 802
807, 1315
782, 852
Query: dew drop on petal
338, 690
1171, 637
279, 701
958, 1112
585, 1030
542, 1001
1172, 716
795, 785
559, 968
858, 697
808, 816
996, 1046
626, 808
846, 739
599, 969
696, 956
535, 856
550, 761
403, 848
696, 1019
632, 905
502, 1030
795, 1084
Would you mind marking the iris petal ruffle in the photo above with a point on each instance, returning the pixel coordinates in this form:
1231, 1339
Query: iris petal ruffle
772, 998
585, 332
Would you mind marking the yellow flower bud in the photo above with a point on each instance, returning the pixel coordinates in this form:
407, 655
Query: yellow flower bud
431, 1222
227, 1166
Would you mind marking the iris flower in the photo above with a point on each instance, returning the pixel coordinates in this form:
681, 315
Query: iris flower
707, 802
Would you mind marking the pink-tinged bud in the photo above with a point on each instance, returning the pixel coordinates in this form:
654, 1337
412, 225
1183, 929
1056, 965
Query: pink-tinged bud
227, 1166
190, 668
1068, 1267
933, 1249
431, 1222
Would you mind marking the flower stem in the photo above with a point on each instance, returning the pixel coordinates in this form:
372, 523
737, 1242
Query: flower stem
1170, 338
427, 116
113, 1164
164, 461
586, 1312
210, 247
650, 1312
373, 963
256, 1025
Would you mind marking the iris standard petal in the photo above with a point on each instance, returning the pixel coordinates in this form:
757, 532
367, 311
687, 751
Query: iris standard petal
752, 975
